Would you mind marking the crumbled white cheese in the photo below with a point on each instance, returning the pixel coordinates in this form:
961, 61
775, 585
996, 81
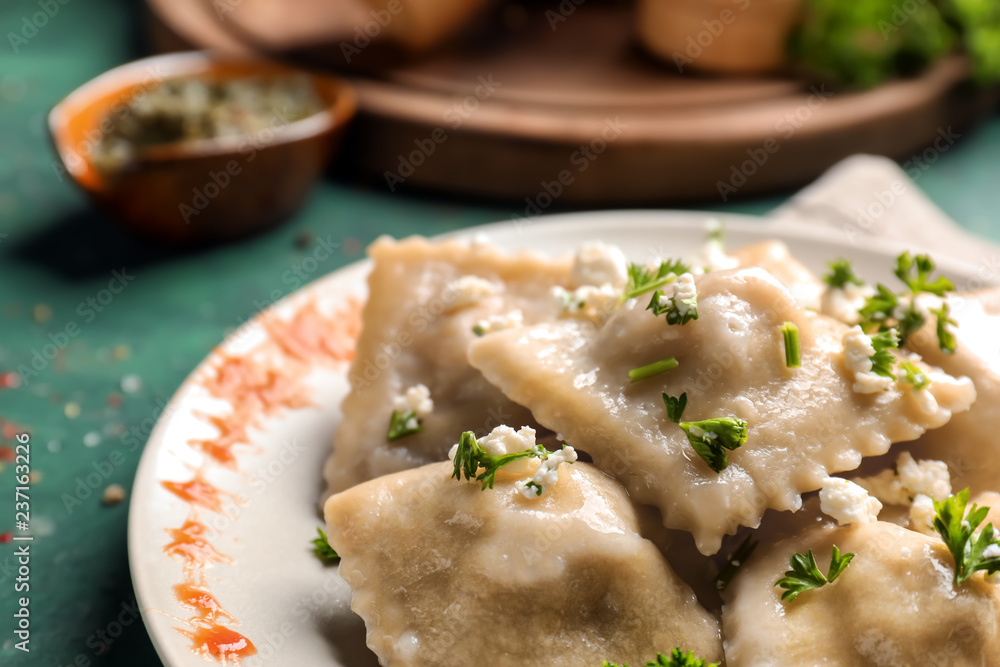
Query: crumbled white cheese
468, 291
992, 551
858, 351
505, 440
589, 302
923, 303
416, 399
927, 477
922, 515
847, 502
909, 479
712, 256
843, 303
547, 474
677, 291
511, 320
599, 264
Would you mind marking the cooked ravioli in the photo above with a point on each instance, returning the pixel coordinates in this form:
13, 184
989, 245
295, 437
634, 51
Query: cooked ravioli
969, 444
775, 258
425, 299
894, 605
445, 573
803, 423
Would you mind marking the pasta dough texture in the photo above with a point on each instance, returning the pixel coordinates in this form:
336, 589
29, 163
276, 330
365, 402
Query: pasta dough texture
425, 298
804, 423
969, 443
444, 573
894, 605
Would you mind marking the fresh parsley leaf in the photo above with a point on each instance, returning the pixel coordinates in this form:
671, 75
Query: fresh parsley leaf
402, 424
478, 330
946, 339
680, 659
957, 529
879, 311
878, 308
924, 265
715, 232
322, 548
710, 439
883, 360
910, 323
677, 313
805, 574
912, 374
861, 45
979, 23
471, 456
654, 368
793, 354
841, 274
736, 560
675, 406
677, 658
642, 279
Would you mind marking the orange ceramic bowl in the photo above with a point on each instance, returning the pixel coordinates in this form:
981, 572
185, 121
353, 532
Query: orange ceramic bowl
206, 190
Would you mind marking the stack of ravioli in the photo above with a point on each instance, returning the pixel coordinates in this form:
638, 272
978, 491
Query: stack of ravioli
617, 556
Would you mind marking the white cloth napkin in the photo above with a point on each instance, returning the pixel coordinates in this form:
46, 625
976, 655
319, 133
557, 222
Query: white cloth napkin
866, 197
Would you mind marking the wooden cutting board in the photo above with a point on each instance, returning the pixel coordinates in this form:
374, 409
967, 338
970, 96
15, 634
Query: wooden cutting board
518, 110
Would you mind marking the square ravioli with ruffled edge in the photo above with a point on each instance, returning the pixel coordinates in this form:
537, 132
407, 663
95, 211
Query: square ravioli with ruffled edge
447, 572
893, 603
968, 444
412, 389
754, 433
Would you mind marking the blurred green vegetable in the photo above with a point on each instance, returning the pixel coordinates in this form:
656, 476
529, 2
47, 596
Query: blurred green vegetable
979, 23
861, 43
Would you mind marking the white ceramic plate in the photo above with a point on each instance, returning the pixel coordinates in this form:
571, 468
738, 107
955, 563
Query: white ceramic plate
295, 610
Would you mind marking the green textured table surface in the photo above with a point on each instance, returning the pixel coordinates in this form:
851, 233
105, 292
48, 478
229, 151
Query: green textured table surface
75, 340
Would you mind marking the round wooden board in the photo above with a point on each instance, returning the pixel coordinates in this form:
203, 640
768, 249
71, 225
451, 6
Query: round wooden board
576, 113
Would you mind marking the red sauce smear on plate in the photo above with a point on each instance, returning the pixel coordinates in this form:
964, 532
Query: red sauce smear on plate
192, 547
196, 492
220, 447
264, 383
200, 600
219, 642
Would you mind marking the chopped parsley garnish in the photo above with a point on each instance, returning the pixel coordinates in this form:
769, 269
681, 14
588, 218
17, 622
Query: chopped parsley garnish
471, 456
322, 548
957, 529
677, 311
841, 274
924, 265
793, 354
654, 368
677, 658
881, 310
715, 232
913, 375
805, 574
883, 360
710, 439
642, 280
478, 330
736, 560
402, 424
878, 308
946, 339
675, 406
